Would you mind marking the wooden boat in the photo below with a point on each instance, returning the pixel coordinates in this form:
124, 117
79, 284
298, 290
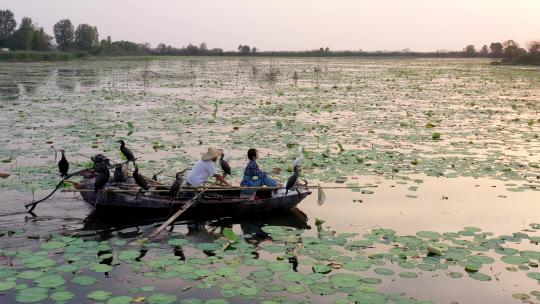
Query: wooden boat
212, 203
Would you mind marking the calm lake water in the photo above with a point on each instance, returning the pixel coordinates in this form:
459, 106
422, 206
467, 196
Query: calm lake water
444, 151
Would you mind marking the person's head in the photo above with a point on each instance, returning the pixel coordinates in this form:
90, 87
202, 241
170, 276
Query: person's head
212, 154
253, 154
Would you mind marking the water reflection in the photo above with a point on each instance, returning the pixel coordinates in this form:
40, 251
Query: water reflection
65, 80
105, 226
9, 90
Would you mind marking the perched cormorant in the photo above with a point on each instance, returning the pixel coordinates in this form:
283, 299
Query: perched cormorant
119, 176
127, 152
139, 179
177, 184
224, 166
63, 165
293, 179
102, 177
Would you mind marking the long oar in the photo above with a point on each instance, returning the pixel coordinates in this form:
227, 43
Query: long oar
176, 215
33, 205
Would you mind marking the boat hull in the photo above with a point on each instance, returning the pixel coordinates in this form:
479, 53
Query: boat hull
212, 204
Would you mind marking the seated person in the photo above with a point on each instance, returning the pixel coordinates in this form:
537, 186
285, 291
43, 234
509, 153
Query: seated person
253, 176
204, 168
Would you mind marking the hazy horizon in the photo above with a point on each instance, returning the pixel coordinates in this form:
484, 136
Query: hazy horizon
419, 25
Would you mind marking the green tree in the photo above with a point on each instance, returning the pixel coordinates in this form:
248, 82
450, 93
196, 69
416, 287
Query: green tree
22, 38
511, 50
469, 50
244, 49
485, 50
87, 38
534, 47
7, 26
106, 45
40, 40
64, 34
496, 49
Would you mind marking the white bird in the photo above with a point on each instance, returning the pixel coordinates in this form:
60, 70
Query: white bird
227, 156
300, 159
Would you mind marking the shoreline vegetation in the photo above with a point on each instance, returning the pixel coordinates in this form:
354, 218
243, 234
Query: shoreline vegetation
30, 43
54, 56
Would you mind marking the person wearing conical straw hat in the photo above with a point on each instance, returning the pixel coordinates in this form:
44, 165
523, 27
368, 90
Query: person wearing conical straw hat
206, 167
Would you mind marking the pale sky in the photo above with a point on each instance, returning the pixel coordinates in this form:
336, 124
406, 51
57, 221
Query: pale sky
421, 25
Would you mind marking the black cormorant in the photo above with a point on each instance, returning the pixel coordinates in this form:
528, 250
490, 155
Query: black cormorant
293, 179
140, 180
177, 184
127, 152
63, 165
102, 177
225, 166
119, 176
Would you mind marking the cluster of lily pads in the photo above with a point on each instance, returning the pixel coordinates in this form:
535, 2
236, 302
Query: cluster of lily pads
287, 267
353, 117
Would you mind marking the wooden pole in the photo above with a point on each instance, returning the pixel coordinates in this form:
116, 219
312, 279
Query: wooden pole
176, 215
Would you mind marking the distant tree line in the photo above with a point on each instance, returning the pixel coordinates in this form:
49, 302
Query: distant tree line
85, 38
509, 51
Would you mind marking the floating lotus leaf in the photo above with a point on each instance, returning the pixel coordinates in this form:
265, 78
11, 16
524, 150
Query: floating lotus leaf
62, 296
193, 301
367, 297
178, 242
530, 254
120, 300
454, 275
101, 268
279, 266
248, 291
429, 235
213, 301
29, 274
67, 268
480, 276
84, 280
32, 295
50, 281
295, 288
322, 288
345, 280
7, 285
534, 275
209, 246
274, 248
371, 280
357, 265
383, 271
275, 287
320, 268
161, 298
408, 275
514, 259
292, 277
129, 255
99, 295
53, 245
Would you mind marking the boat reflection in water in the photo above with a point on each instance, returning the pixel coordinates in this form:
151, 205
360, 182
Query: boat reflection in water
102, 227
